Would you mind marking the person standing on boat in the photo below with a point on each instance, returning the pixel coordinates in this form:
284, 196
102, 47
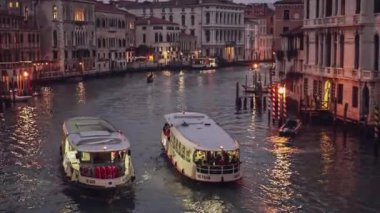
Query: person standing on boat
166, 130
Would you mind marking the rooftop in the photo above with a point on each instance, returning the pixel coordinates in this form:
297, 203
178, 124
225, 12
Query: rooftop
91, 134
201, 131
172, 3
107, 8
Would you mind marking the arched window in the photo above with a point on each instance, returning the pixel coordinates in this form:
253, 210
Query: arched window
183, 20
103, 23
104, 42
357, 50
168, 38
97, 22
171, 18
99, 43
207, 18
55, 12
55, 38
192, 20
119, 24
376, 54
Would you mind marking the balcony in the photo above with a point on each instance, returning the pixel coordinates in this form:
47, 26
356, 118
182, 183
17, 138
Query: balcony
334, 21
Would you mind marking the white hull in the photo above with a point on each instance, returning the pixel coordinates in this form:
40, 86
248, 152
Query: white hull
189, 169
108, 183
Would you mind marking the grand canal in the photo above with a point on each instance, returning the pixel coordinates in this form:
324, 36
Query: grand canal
319, 171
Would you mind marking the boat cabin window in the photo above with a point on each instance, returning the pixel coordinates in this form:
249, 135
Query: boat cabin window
85, 157
102, 157
181, 149
221, 157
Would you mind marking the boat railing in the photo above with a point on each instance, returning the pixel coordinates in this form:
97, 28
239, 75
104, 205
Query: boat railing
218, 169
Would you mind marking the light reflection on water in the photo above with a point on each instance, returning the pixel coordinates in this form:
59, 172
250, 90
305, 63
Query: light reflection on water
317, 171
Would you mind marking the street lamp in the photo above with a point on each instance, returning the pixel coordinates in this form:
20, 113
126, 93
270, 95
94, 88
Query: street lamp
25, 87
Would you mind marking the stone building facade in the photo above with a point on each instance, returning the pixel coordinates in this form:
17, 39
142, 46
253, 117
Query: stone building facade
217, 24
111, 26
68, 34
19, 44
159, 35
263, 16
288, 16
342, 56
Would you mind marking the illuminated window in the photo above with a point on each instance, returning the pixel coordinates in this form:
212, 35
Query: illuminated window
55, 12
10, 4
79, 15
17, 4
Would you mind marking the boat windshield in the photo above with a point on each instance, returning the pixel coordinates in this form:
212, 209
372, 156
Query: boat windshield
291, 124
214, 158
102, 157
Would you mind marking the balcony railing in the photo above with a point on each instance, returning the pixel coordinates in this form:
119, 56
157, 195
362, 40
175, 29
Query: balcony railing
334, 21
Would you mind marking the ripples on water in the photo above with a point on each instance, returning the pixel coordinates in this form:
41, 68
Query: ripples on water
318, 171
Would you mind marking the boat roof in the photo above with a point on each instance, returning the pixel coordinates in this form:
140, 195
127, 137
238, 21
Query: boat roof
92, 134
201, 130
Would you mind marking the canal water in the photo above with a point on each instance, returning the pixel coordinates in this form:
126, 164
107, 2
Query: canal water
320, 170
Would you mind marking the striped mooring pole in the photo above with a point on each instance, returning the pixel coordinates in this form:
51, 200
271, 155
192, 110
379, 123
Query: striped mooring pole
376, 118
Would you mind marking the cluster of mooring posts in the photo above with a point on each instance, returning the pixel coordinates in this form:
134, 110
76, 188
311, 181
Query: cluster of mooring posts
263, 95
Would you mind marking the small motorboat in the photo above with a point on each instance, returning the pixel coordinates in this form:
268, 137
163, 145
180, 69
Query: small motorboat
150, 78
290, 127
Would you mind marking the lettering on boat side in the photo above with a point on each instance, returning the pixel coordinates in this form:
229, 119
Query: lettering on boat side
90, 181
206, 177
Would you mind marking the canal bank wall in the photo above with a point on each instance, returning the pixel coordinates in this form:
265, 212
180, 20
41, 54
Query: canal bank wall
70, 77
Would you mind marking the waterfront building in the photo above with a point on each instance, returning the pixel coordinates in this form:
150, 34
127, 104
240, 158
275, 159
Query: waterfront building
262, 14
290, 61
159, 36
130, 36
111, 35
19, 44
342, 56
68, 35
187, 47
288, 16
250, 34
217, 24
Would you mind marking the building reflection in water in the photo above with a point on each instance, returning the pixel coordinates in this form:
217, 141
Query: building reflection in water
81, 93
338, 165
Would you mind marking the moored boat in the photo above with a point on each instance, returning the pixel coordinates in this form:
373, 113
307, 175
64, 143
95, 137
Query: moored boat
150, 78
291, 127
200, 149
95, 155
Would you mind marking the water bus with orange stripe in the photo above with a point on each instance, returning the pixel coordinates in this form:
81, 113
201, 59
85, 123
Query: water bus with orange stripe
200, 149
95, 154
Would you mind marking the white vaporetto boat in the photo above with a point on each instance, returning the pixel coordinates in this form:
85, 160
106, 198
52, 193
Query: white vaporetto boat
95, 155
200, 149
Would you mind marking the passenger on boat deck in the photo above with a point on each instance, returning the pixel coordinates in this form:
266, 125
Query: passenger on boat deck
166, 130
